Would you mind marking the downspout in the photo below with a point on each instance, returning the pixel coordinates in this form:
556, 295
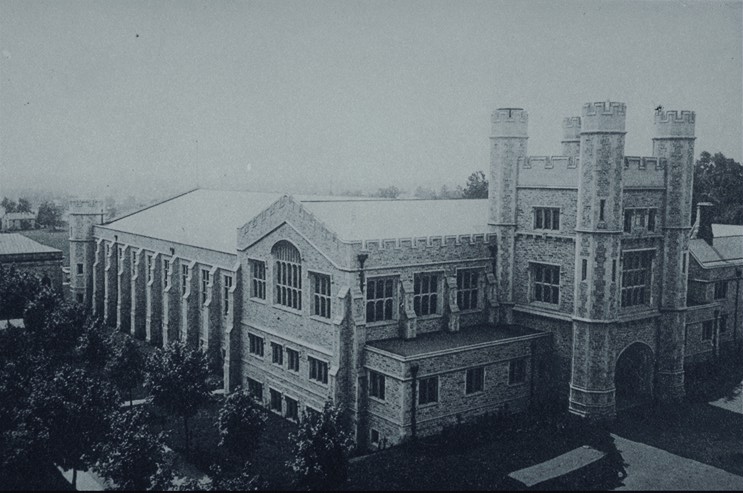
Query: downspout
414, 374
738, 274
717, 335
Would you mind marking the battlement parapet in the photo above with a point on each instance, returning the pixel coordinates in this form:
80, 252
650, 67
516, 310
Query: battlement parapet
672, 123
644, 171
422, 242
548, 171
86, 206
571, 128
603, 116
510, 122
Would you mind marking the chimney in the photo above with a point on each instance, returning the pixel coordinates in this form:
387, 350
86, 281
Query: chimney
703, 223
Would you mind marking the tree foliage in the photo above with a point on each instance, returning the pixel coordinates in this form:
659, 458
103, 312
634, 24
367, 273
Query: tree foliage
321, 447
176, 376
477, 186
132, 456
8, 205
95, 345
719, 180
23, 205
17, 289
391, 192
126, 368
241, 423
49, 215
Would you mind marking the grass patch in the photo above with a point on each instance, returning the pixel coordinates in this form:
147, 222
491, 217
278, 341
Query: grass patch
59, 239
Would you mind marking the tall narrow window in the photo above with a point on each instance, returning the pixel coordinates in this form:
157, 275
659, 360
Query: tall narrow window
79, 269
184, 278
723, 322
628, 216
292, 409
134, 263
546, 283
583, 269
380, 299
651, 219
205, 280
721, 290
467, 291
121, 259
166, 273
516, 371
226, 294
425, 294
684, 260
376, 385
708, 329
258, 279
292, 357
602, 207
275, 400
613, 271
288, 275
321, 295
474, 380
636, 276
149, 267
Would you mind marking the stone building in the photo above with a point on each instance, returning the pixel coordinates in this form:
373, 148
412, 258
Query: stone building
413, 314
17, 221
28, 255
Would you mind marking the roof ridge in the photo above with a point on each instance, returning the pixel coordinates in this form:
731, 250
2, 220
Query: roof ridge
151, 206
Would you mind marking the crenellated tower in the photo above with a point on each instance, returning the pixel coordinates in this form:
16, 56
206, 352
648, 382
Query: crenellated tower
571, 136
674, 141
598, 236
84, 214
507, 151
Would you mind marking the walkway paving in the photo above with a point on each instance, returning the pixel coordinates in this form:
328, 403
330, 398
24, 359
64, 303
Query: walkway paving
86, 480
650, 468
559, 466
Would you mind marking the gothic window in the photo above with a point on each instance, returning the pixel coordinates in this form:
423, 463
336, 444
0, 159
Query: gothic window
546, 283
320, 295
380, 299
227, 286
258, 279
467, 291
287, 275
205, 283
425, 294
184, 278
149, 267
636, 276
166, 273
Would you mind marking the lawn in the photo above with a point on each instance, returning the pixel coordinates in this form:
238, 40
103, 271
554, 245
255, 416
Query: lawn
56, 239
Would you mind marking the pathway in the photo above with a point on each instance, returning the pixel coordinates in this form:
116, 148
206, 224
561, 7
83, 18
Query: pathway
558, 466
732, 403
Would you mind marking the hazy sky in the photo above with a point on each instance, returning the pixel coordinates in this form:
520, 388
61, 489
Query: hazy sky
103, 97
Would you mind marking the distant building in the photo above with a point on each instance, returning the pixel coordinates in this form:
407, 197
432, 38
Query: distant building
17, 221
571, 279
30, 256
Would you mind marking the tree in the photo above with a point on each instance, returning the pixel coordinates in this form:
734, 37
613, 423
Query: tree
54, 325
477, 186
23, 205
131, 455
8, 205
425, 193
177, 379
49, 215
241, 423
17, 289
719, 180
321, 447
95, 345
389, 192
126, 368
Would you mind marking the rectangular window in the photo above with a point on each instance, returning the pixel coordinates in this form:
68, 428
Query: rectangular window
149, 267
292, 409
255, 388
475, 380
467, 291
318, 370
184, 278
256, 345
374, 437
651, 219
546, 283
321, 295
292, 357
636, 275
380, 299
226, 295
428, 390
166, 273
79, 269
613, 271
708, 329
516, 371
721, 290
205, 278
547, 218
376, 385
602, 207
723, 322
288, 278
425, 294
277, 354
583, 269
628, 216
684, 260
258, 279
275, 400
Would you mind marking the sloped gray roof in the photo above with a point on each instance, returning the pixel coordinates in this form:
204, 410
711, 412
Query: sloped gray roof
720, 230
725, 251
17, 244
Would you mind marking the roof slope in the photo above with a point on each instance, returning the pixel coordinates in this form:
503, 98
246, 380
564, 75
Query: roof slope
17, 244
210, 218
725, 251
380, 219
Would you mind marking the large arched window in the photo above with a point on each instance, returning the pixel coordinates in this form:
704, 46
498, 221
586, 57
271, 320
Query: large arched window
287, 275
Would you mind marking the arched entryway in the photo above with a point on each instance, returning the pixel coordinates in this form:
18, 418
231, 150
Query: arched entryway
633, 375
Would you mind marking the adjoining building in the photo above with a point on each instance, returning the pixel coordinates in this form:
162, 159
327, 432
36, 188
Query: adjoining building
413, 314
28, 255
17, 221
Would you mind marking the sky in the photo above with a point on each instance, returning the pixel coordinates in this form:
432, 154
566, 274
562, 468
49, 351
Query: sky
155, 97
